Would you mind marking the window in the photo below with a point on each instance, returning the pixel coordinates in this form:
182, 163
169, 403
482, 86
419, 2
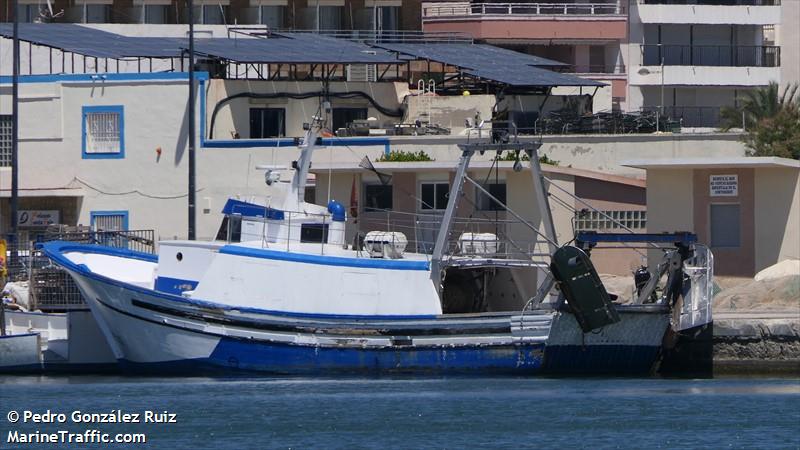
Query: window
103, 132
377, 197
434, 195
29, 13
725, 228
271, 16
484, 203
5, 140
329, 18
148, 13
586, 220
385, 18
344, 116
109, 220
314, 232
93, 13
267, 123
213, 14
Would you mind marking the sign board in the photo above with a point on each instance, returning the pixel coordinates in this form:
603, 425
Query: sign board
724, 185
37, 218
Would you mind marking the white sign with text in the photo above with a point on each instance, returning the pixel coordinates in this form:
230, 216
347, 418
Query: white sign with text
37, 218
724, 185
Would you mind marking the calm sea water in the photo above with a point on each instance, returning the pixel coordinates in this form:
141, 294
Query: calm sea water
422, 413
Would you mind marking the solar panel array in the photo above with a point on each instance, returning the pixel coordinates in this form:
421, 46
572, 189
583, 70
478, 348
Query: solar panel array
482, 61
493, 63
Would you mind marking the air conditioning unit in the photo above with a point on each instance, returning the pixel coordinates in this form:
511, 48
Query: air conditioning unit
362, 72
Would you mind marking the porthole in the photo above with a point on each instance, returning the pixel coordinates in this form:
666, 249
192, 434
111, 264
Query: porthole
179, 256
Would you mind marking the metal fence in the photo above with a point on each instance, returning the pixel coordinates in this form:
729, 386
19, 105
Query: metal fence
713, 2
449, 9
690, 116
711, 55
50, 287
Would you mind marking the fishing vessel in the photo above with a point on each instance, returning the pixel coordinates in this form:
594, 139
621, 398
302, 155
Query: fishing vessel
280, 291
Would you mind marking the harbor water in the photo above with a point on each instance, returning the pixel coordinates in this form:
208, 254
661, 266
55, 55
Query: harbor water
412, 413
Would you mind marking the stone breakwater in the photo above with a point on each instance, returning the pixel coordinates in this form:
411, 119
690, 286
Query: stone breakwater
757, 342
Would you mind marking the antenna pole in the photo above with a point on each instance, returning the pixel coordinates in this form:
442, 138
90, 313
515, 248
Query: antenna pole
15, 128
192, 202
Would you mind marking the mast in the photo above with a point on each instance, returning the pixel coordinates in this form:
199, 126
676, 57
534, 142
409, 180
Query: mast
191, 196
15, 127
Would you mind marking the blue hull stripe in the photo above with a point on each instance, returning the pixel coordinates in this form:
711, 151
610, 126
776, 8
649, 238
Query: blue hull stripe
231, 356
174, 285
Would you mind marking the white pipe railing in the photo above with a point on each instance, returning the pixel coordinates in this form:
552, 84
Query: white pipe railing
448, 9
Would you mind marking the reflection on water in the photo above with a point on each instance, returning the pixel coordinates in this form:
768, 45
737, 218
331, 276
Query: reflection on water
429, 412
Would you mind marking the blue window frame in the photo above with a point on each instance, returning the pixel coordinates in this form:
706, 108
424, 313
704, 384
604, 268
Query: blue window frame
109, 220
103, 132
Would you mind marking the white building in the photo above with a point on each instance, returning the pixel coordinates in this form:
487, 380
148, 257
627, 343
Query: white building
690, 58
109, 149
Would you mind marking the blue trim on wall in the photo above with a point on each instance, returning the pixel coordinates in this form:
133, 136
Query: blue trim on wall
291, 143
100, 77
368, 263
124, 214
119, 109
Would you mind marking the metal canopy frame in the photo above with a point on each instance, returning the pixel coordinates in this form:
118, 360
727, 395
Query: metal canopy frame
293, 56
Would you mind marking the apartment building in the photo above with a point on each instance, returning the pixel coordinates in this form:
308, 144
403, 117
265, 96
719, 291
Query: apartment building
683, 58
590, 37
373, 15
688, 59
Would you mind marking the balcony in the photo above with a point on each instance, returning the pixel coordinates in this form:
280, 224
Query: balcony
461, 9
724, 12
706, 65
711, 55
528, 21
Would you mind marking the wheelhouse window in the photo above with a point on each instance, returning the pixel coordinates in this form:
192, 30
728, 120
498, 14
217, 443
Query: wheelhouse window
314, 232
377, 197
103, 132
433, 196
484, 203
267, 123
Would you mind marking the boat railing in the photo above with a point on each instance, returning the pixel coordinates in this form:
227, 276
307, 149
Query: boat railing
475, 238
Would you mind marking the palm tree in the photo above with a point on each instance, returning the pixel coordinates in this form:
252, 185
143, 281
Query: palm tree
759, 104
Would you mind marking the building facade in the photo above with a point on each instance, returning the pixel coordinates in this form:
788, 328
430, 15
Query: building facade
374, 15
685, 59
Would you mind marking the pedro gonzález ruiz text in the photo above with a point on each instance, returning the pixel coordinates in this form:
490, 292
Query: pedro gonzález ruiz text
113, 416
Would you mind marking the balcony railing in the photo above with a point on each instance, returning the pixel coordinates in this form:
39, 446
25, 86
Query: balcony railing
434, 10
711, 55
689, 116
713, 2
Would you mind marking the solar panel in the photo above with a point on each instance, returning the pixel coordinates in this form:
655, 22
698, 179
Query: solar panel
288, 48
482, 61
493, 63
